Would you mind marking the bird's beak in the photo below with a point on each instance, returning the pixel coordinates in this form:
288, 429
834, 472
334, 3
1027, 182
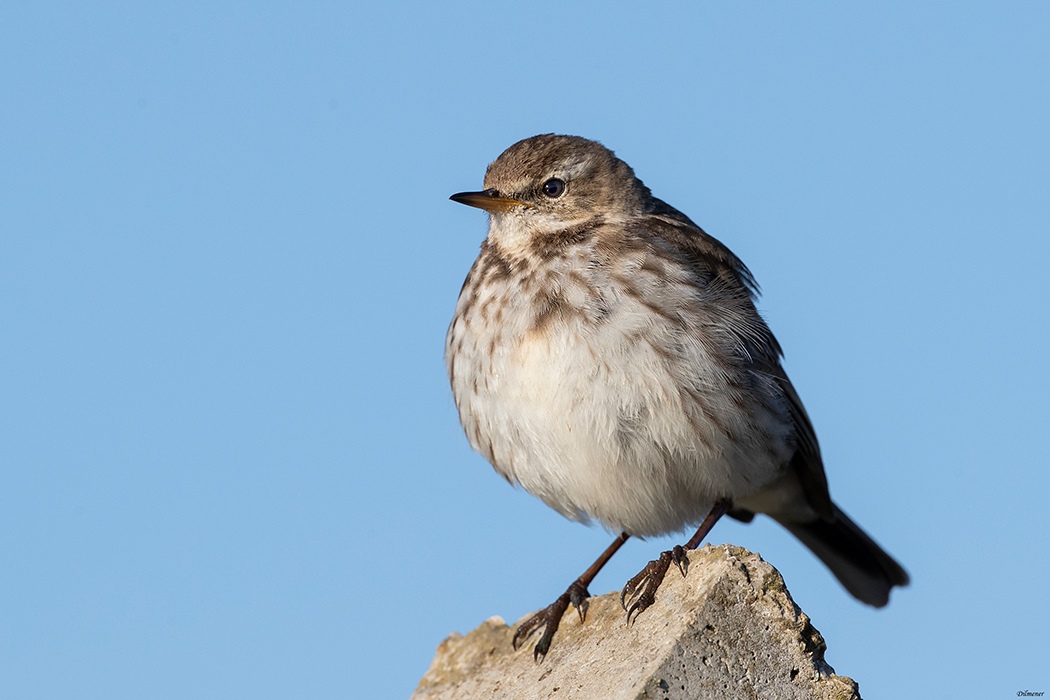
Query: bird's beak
489, 200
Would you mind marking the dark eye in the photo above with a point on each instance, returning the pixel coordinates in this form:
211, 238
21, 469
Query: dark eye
553, 188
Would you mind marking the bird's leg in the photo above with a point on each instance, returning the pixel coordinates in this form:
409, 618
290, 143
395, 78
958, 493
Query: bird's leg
642, 596
577, 594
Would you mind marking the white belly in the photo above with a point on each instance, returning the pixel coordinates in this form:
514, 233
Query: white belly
625, 419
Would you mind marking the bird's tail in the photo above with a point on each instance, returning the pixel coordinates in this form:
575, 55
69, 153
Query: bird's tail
861, 565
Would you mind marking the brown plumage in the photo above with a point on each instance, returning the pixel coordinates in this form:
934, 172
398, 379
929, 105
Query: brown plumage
606, 354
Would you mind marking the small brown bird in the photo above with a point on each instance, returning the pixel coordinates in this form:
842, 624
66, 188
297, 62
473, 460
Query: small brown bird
606, 355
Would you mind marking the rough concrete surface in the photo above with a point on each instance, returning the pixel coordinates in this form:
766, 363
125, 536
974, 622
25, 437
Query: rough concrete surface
727, 630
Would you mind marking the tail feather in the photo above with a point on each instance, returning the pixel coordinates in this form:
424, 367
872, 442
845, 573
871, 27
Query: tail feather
862, 566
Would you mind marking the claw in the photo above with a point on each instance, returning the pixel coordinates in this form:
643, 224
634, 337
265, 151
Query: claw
526, 629
642, 596
637, 609
680, 559
550, 619
578, 595
629, 588
544, 645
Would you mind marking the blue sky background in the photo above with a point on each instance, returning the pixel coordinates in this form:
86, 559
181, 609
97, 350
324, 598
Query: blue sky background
230, 465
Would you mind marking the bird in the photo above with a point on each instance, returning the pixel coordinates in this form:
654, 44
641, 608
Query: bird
607, 356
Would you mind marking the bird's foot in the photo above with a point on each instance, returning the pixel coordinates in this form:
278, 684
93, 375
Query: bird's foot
550, 618
640, 591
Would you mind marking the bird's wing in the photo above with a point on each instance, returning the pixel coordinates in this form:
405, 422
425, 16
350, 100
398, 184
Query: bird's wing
763, 350
806, 462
